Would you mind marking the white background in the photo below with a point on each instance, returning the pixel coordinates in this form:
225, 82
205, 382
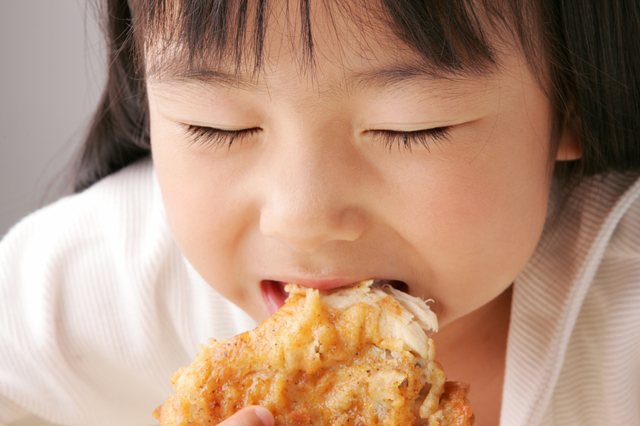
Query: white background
51, 76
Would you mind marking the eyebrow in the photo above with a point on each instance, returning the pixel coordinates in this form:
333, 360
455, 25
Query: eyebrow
384, 78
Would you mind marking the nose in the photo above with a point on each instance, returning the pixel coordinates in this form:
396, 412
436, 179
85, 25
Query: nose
312, 199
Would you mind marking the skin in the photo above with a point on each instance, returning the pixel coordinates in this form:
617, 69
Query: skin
314, 195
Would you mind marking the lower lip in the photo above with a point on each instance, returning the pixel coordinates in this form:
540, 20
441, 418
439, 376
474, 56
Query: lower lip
273, 294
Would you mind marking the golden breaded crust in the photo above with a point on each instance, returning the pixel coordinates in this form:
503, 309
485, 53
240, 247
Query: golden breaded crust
456, 410
311, 364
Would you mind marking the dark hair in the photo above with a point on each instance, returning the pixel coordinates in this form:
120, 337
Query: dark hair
586, 49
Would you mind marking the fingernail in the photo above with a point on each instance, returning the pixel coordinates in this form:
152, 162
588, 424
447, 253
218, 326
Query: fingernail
265, 415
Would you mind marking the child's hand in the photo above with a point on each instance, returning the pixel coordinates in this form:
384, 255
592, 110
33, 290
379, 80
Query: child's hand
250, 416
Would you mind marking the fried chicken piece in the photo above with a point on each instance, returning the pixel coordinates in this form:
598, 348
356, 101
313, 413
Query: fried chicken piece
349, 356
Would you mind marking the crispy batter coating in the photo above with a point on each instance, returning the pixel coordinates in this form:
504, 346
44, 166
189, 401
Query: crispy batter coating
456, 410
341, 358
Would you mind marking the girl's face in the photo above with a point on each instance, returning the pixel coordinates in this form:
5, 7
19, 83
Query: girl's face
363, 167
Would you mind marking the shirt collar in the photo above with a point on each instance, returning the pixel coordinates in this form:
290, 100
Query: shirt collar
549, 292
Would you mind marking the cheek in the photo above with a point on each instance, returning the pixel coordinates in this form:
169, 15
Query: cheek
477, 220
204, 214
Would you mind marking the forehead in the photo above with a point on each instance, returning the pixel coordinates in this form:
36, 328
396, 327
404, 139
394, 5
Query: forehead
235, 45
398, 81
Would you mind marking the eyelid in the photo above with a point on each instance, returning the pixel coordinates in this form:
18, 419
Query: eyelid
413, 127
215, 127
434, 130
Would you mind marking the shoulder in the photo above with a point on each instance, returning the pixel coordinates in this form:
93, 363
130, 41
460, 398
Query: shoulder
107, 211
102, 244
616, 283
86, 250
91, 251
133, 187
604, 348
625, 240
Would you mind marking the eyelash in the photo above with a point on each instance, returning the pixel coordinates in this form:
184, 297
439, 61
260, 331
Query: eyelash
408, 140
218, 137
390, 138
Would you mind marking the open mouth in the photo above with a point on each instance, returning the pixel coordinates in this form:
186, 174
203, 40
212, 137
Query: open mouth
398, 285
274, 295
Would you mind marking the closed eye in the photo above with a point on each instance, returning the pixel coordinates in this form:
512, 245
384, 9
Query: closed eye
390, 138
409, 140
218, 137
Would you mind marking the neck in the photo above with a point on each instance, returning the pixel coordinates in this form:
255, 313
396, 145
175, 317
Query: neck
473, 349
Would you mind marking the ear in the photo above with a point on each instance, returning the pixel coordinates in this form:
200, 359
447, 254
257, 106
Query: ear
570, 145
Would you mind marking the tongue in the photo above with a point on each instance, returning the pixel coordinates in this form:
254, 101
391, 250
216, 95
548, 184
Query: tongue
273, 294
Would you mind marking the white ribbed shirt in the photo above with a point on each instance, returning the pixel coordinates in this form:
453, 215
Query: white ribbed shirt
98, 308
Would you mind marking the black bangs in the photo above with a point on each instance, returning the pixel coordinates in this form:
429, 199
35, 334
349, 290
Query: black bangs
186, 35
447, 34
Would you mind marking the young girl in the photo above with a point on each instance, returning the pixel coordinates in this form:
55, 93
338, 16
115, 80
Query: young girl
481, 154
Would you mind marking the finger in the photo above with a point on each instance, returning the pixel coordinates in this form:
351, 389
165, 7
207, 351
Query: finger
250, 416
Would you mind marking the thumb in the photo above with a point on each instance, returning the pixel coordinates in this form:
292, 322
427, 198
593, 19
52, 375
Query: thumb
250, 416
